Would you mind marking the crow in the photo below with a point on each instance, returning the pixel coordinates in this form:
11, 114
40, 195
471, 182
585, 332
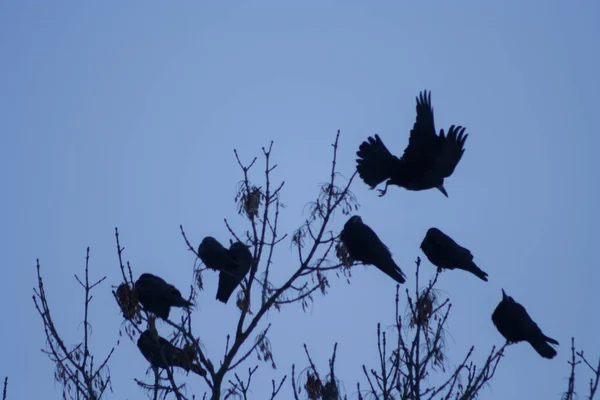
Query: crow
161, 353
443, 252
514, 323
364, 245
215, 256
229, 279
157, 296
426, 161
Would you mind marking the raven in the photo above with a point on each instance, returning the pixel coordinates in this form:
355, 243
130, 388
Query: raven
426, 161
443, 252
229, 279
215, 256
514, 323
364, 245
161, 353
158, 296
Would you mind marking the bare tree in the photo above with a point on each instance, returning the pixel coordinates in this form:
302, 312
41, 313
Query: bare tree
577, 357
412, 352
76, 370
314, 241
406, 367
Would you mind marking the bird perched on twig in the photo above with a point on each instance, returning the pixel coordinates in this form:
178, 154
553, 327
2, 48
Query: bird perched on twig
514, 323
364, 245
427, 160
230, 279
161, 353
214, 255
233, 264
157, 296
443, 252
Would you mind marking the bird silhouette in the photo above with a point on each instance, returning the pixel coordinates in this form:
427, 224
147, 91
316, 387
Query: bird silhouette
364, 245
215, 256
427, 160
443, 252
161, 353
157, 296
229, 279
514, 323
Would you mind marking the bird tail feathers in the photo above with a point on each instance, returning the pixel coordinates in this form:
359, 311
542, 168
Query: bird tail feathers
183, 303
227, 285
549, 339
198, 370
543, 348
475, 270
393, 271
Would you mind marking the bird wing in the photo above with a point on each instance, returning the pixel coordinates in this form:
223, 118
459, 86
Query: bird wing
450, 151
528, 325
423, 135
372, 242
375, 163
240, 253
450, 246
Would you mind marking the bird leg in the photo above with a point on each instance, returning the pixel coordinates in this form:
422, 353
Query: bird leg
384, 191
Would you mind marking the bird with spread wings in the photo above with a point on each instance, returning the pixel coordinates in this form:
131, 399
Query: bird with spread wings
428, 159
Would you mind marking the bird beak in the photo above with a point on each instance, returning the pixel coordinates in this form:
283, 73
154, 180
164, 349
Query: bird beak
504, 296
442, 189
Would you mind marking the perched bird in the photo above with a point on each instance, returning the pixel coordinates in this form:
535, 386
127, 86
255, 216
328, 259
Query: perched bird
214, 255
229, 279
427, 160
364, 245
158, 296
443, 252
514, 323
161, 353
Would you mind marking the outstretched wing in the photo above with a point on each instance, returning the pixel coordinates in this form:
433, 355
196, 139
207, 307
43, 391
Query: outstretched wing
375, 163
451, 151
423, 136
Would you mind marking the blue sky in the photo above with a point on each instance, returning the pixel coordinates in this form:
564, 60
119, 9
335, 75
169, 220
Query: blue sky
125, 114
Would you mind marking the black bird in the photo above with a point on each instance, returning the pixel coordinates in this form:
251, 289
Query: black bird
427, 160
158, 296
229, 279
514, 323
443, 252
364, 245
151, 345
215, 256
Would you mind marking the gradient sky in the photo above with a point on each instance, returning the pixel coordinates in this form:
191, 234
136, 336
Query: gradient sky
125, 114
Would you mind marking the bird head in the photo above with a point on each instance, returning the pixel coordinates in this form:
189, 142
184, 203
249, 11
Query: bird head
355, 219
431, 234
506, 297
433, 231
442, 189
209, 243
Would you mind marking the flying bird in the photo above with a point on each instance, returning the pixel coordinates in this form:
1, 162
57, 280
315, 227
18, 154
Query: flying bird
443, 252
427, 160
514, 323
161, 353
229, 279
364, 245
157, 296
